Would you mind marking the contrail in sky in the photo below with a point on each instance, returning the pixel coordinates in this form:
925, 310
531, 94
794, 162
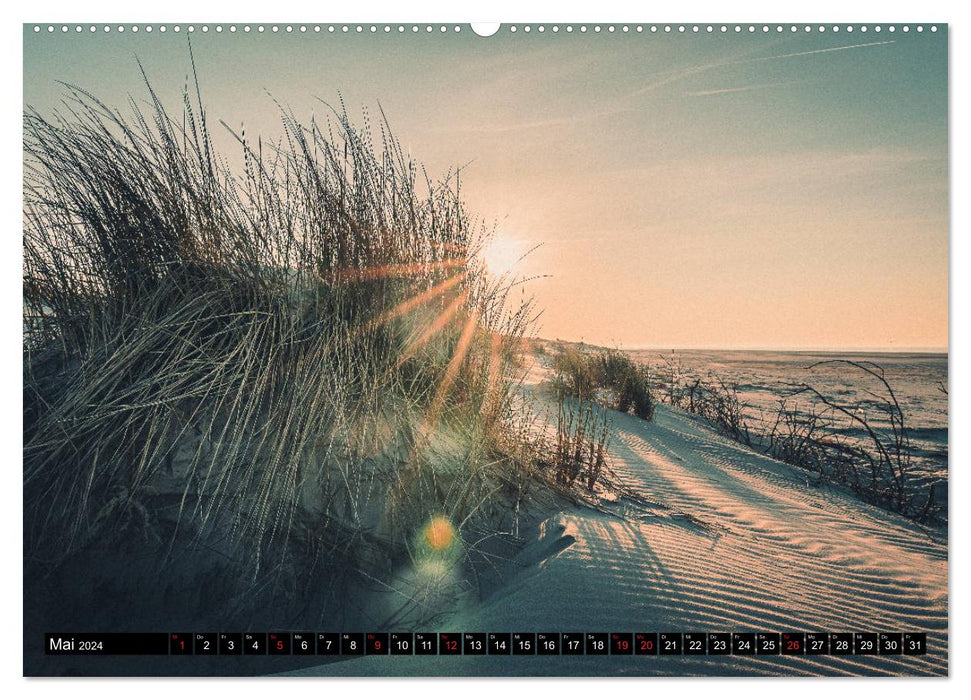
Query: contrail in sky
835, 48
744, 88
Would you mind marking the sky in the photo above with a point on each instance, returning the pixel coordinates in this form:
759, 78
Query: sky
768, 190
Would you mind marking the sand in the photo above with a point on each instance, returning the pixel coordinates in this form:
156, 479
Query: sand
714, 537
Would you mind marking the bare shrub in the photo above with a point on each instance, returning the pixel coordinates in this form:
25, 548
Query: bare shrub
842, 444
881, 467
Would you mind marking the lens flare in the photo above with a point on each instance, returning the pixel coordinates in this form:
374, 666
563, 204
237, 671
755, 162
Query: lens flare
439, 534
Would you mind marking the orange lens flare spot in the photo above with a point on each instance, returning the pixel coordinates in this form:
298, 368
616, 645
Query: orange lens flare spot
439, 534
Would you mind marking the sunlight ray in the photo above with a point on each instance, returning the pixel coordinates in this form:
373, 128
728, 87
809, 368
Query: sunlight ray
445, 385
414, 302
432, 330
350, 275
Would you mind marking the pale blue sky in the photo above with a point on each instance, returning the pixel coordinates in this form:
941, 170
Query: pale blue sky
775, 190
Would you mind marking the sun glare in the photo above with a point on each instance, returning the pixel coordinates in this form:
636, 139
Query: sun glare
500, 255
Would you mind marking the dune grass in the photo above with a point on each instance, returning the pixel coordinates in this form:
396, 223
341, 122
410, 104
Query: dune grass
301, 357
608, 377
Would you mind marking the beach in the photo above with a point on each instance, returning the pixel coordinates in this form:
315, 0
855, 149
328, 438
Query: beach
712, 537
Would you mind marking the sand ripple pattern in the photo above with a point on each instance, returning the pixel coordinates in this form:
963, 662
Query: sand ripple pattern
762, 551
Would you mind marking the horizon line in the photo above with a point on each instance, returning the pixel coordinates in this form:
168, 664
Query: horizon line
925, 349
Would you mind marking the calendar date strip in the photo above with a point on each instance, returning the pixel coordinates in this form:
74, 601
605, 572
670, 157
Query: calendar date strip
486, 643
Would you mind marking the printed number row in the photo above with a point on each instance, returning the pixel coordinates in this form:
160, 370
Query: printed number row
549, 643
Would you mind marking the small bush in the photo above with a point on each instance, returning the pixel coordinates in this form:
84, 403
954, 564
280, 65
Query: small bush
608, 377
573, 374
627, 381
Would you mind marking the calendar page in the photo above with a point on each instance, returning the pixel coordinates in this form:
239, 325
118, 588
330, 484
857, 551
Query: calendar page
577, 349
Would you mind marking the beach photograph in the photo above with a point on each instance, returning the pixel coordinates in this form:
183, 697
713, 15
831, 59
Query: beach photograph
570, 350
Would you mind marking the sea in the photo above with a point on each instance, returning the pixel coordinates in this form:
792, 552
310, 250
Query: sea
919, 380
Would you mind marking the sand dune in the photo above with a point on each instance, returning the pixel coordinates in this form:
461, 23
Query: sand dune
735, 542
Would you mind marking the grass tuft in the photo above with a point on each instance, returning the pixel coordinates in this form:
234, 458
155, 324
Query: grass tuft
608, 377
299, 360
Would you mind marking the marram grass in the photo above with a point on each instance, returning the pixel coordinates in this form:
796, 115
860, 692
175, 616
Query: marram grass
299, 358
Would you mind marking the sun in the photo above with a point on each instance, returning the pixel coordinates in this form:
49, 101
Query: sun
500, 255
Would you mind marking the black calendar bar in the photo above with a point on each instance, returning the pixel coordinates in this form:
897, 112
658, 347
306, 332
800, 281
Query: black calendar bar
107, 643
631, 644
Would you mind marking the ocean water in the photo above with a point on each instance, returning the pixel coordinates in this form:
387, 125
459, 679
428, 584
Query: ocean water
762, 378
